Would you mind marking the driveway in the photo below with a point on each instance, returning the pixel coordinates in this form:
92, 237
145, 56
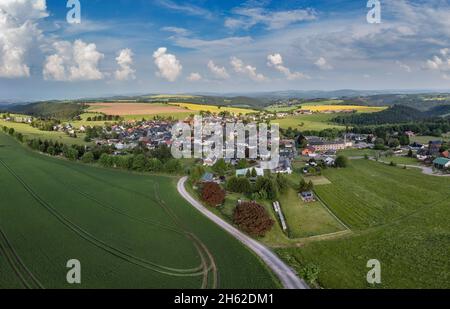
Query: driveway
286, 274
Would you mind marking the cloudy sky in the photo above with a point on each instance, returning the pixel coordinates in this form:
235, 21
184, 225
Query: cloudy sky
174, 46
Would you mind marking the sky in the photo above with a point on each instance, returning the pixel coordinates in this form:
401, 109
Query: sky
124, 47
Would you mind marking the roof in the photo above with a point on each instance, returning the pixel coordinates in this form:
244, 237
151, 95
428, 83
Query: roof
207, 177
441, 161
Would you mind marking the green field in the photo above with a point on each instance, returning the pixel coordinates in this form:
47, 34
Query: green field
315, 122
127, 230
306, 219
31, 132
399, 217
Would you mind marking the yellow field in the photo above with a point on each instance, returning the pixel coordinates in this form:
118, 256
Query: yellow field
213, 109
336, 108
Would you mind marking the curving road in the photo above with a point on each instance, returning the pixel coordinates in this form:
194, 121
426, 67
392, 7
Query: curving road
287, 276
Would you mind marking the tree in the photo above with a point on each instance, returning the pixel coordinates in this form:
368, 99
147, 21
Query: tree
254, 173
105, 160
11, 131
252, 218
196, 173
267, 185
393, 143
248, 174
172, 166
220, 167
213, 194
88, 157
341, 161
379, 144
410, 153
72, 154
139, 163
241, 164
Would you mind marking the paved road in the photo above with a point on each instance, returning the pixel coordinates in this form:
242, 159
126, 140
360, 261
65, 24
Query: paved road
287, 276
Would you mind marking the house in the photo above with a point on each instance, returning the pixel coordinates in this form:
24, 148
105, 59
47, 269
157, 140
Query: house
284, 166
415, 146
307, 196
329, 161
441, 163
434, 147
325, 146
410, 133
308, 151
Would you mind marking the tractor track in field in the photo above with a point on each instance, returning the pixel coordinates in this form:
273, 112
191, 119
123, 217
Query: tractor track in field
168, 211
198, 271
200, 247
26, 277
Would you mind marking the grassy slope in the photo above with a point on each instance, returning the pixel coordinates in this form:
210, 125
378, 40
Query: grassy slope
315, 122
410, 234
31, 132
84, 196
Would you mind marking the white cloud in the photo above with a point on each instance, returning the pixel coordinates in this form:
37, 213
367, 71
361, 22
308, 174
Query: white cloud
239, 67
18, 32
168, 65
73, 62
218, 44
440, 63
404, 66
185, 8
176, 30
323, 64
219, 72
249, 17
194, 77
125, 62
276, 61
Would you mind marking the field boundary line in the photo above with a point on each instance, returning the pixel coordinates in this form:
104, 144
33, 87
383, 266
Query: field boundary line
330, 212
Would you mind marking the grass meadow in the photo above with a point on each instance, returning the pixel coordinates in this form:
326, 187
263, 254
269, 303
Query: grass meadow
397, 216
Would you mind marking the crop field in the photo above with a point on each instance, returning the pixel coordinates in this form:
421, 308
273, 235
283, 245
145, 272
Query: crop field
336, 108
315, 122
127, 230
403, 224
368, 194
212, 108
125, 109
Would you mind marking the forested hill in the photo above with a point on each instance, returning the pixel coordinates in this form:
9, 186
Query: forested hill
394, 114
50, 110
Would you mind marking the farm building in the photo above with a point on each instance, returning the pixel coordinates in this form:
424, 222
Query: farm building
307, 196
441, 163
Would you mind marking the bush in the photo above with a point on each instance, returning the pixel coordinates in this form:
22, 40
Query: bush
139, 163
88, 157
213, 194
252, 218
172, 166
341, 161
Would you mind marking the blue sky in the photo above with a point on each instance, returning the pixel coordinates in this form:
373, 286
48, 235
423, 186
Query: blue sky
173, 46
